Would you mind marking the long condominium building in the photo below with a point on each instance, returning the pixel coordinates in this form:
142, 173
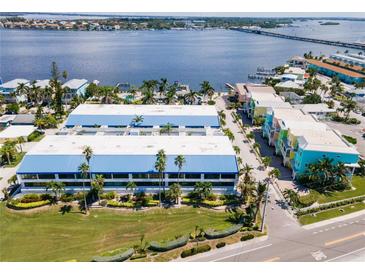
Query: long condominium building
188, 116
121, 159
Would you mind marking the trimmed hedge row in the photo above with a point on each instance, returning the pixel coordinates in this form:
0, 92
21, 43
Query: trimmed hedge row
195, 250
119, 204
213, 234
165, 246
330, 206
18, 205
220, 244
116, 258
247, 237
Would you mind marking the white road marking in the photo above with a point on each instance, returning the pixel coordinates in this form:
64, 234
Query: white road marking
344, 255
318, 255
243, 252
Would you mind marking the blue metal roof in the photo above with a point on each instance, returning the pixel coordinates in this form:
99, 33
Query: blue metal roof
148, 120
126, 164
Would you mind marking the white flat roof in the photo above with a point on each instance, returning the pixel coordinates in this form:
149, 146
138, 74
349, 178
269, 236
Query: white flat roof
145, 110
41, 83
7, 118
294, 70
327, 141
314, 108
259, 88
133, 145
300, 127
289, 84
14, 83
75, 83
288, 113
16, 131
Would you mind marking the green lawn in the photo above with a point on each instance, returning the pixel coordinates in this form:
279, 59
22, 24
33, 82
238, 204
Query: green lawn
357, 182
50, 236
329, 214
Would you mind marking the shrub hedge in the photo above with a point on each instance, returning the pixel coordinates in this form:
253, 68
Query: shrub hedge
169, 245
108, 195
220, 245
329, 206
213, 203
195, 250
16, 204
119, 204
214, 234
247, 237
67, 197
115, 258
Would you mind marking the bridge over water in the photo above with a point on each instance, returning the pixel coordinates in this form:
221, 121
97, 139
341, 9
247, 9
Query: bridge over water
305, 39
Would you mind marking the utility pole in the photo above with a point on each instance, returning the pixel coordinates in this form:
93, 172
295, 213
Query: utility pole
265, 205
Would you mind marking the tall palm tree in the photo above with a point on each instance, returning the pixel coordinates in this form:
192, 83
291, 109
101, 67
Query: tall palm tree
84, 169
162, 85
259, 196
149, 85
179, 162
132, 186
206, 89
246, 171
160, 166
20, 140
348, 106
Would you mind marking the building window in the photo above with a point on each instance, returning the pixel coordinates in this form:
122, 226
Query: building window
116, 184
228, 176
120, 175
76, 184
230, 184
35, 184
186, 184
192, 176
147, 184
29, 176
175, 176
66, 176
154, 176
46, 176
212, 176
140, 176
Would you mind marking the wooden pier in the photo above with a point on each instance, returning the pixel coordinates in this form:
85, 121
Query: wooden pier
305, 39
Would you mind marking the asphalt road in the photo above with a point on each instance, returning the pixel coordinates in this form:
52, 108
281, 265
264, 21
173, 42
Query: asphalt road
289, 242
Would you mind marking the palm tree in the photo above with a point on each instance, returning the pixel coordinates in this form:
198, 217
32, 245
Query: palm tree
191, 97
149, 85
98, 184
166, 129
206, 89
132, 186
246, 171
274, 174
20, 140
8, 150
162, 85
22, 89
137, 120
266, 161
148, 97
175, 192
56, 187
160, 166
260, 193
179, 162
84, 169
247, 190
348, 106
